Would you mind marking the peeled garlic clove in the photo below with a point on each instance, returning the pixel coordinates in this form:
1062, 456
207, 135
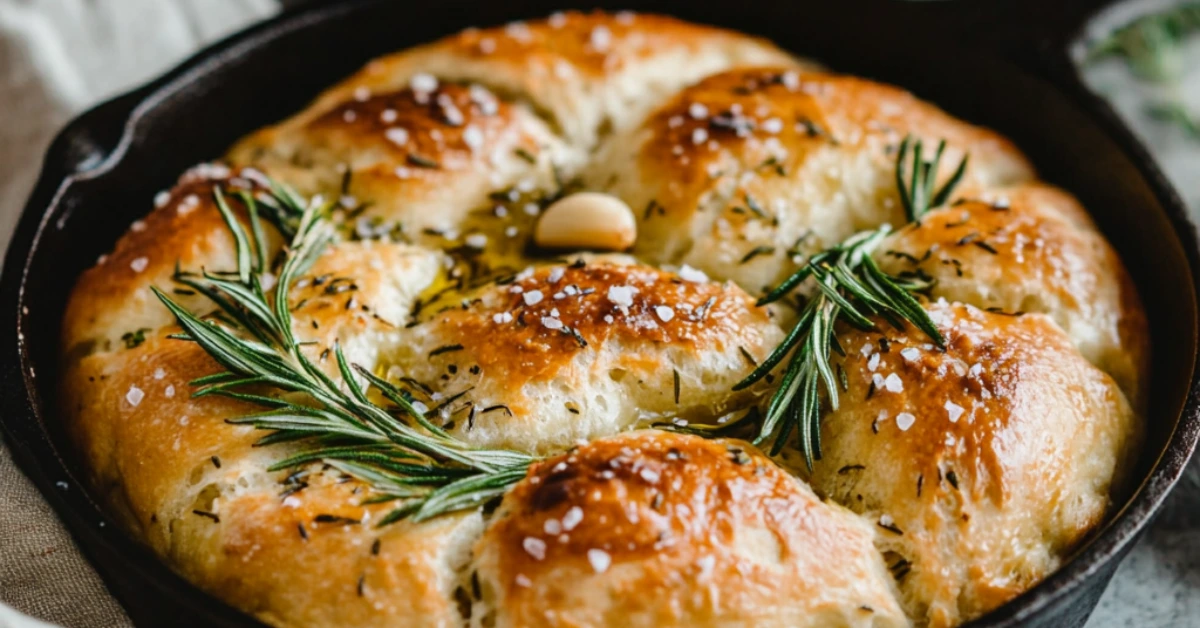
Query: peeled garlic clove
589, 221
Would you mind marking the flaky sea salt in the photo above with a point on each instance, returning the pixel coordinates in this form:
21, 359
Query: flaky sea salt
534, 547
621, 295
422, 82
599, 559
687, 273
397, 136
134, 396
572, 518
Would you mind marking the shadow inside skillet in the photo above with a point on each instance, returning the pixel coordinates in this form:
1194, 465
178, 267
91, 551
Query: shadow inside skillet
196, 115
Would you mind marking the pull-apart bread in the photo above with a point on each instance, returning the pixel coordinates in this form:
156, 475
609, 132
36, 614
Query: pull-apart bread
949, 478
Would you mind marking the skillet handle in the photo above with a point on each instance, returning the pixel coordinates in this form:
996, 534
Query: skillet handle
92, 136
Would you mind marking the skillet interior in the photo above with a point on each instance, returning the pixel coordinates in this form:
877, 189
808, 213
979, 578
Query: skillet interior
195, 113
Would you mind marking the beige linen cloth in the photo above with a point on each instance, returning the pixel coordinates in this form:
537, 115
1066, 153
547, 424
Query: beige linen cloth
58, 57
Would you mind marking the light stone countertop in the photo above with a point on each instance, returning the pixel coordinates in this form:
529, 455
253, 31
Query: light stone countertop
1158, 585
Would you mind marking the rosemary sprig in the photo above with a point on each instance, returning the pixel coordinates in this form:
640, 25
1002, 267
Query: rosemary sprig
850, 288
391, 446
1151, 45
917, 181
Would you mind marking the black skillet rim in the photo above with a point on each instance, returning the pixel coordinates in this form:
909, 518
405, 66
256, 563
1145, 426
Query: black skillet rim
38, 457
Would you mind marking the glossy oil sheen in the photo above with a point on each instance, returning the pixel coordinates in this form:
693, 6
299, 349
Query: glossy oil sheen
980, 60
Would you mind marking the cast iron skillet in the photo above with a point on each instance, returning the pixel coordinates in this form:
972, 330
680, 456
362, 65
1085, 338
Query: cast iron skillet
1000, 63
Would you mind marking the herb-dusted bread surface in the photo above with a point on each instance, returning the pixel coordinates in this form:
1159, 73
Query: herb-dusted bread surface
652, 529
981, 465
507, 422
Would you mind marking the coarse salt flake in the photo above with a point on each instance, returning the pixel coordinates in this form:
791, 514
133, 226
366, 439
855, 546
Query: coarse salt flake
910, 354
599, 559
551, 323
572, 518
134, 396
954, 410
397, 136
905, 420
534, 547
423, 82
664, 313
687, 273
473, 137
873, 362
601, 38
139, 264
533, 297
893, 383
621, 295
476, 240
698, 111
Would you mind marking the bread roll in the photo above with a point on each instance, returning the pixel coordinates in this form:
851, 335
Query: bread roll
982, 466
1032, 248
586, 349
653, 529
747, 171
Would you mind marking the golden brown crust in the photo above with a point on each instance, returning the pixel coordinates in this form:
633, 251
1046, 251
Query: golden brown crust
1032, 248
745, 170
984, 465
284, 546
113, 297
584, 72
414, 162
654, 529
585, 349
